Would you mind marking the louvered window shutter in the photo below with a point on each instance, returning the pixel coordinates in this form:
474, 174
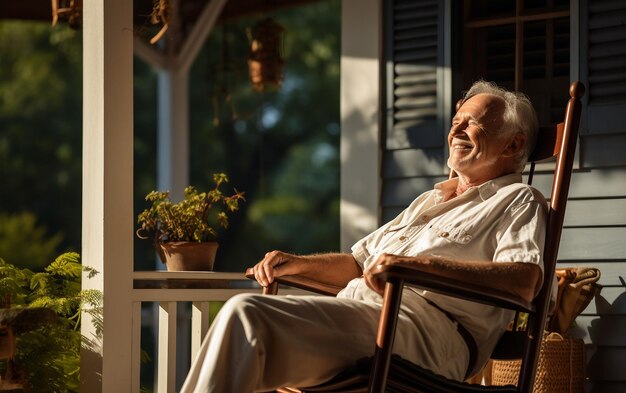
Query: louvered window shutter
412, 81
413, 143
606, 66
603, 70
607, 51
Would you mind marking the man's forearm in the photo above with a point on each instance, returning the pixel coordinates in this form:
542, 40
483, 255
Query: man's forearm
522, 279
332, 268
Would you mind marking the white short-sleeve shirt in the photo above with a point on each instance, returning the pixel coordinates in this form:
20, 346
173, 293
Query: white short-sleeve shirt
502, 220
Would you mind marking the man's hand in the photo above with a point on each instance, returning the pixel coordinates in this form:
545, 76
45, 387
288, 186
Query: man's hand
334, 268
276, 264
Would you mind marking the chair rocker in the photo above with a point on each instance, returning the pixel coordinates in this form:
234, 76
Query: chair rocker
387, 373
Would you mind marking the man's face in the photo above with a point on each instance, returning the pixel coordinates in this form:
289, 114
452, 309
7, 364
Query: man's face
475, 146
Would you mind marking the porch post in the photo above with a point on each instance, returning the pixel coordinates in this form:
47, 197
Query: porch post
360, 150
173, 132
107, 208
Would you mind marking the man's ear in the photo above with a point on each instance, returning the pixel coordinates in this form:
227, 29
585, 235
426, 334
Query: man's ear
516, 145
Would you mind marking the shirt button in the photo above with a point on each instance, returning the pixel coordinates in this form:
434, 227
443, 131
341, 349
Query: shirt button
444, 234
402, 238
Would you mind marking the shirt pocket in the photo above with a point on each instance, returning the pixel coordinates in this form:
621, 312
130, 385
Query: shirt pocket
390, 238
449, 235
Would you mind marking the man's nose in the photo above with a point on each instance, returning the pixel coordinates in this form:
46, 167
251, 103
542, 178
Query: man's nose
457, 129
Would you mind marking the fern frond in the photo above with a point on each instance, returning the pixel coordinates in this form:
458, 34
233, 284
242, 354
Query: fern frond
39, 282
66, 265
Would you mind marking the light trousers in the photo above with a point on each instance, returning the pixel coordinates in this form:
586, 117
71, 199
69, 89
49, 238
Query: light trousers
260, 343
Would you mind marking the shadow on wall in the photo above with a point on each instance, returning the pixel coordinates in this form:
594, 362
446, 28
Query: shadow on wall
357, 217
606, 355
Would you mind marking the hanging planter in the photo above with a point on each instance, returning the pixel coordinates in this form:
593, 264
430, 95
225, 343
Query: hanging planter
67, 9
265, 63
161, 11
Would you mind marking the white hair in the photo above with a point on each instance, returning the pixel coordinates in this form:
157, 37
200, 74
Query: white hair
519, 116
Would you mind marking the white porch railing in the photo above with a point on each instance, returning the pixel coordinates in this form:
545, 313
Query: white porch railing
168, 289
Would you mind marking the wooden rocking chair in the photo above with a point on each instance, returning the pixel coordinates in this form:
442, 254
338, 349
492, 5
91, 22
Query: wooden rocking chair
385, 372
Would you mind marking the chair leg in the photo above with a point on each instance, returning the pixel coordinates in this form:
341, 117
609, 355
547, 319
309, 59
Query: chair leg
528, 368
386, 333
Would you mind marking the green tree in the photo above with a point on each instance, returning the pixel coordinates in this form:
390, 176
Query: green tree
40, 126
24, 243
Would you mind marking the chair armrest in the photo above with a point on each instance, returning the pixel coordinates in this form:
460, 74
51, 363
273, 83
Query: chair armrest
480, 293
301, 282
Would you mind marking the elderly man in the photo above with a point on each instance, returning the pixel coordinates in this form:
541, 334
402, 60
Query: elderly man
484, 223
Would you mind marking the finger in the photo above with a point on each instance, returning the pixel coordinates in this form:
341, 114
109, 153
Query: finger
268, 267
375, 286
256, 273
268, 271
260, 274
372, 282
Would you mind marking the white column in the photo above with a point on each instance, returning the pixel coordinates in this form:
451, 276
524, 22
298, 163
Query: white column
173, 132
107, 211
360, 45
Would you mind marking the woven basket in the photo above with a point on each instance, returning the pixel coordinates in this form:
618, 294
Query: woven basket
560, 369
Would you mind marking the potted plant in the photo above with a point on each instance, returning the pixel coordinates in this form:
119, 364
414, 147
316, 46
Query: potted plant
183, 232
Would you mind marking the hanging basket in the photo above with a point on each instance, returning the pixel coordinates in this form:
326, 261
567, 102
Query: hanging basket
265, 62
560, 369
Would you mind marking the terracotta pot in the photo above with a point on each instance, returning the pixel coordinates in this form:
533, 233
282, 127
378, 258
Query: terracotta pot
186, 256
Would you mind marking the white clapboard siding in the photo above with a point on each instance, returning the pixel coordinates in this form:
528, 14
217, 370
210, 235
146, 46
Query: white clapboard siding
595, 212
592, 244
598, 183
596, 218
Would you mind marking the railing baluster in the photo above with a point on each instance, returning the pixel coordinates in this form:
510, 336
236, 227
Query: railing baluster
136, 349
166, 380
199, 326
167, 289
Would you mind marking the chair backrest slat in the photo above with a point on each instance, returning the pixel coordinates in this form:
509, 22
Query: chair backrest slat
548, 144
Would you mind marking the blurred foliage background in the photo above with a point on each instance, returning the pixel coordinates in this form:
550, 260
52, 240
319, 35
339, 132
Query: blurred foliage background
40, 142
280, 147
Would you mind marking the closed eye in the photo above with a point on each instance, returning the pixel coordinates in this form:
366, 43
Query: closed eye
475, 124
